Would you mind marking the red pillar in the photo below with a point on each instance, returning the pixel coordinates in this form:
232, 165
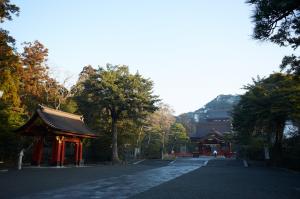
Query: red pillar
56, 151
62, 154
38, 152
77, 153
80, 152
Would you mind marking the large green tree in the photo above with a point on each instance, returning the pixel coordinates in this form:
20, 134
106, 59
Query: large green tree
11, 111
264, 109
121, 95
278, 21
178, 136
9, 61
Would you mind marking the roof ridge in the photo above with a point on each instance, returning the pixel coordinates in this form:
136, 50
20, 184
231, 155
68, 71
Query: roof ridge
61, 112
44, 118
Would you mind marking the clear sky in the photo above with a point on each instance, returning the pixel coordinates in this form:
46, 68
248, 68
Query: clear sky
193, 50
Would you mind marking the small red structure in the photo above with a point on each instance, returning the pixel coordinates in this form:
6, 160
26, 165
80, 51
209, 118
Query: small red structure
213, 141
59, 128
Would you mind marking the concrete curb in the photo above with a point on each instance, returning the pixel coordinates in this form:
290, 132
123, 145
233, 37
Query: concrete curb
245, 163
3, 170
205, 163
173, 161
137, 162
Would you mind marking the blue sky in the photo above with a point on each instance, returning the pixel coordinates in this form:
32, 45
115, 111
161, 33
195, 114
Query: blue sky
193, 50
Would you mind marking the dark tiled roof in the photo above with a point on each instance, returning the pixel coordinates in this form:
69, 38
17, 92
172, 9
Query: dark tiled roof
214, 136
208, 126
218, 114
62, 121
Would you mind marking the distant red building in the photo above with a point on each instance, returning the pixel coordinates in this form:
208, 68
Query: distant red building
56, 129
210, 136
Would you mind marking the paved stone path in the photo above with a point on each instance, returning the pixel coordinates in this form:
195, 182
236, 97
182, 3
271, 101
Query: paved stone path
222, 179
125, 186
154, 179
28, 181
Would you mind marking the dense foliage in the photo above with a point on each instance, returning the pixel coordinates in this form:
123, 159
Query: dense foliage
10, 104
121, 96
279, 21
264, 109
269, 104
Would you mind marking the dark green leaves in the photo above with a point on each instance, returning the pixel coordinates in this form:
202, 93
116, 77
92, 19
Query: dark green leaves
277, 21
115, 89
267, 105
7, 10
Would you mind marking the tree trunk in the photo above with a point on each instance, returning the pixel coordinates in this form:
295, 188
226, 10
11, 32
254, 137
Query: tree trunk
149, 139
277, 150
163, 146
115, 156
138, 147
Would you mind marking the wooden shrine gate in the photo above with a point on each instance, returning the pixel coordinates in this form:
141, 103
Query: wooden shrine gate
60, 128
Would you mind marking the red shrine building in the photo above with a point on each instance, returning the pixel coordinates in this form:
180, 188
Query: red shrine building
209, 136
56, 133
